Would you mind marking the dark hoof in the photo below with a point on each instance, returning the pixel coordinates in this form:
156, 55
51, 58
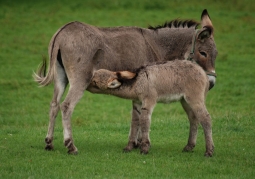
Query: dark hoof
144, 152
188, 148
126, 150
73, 152
49, 147
131, 145
209, 153
144, 148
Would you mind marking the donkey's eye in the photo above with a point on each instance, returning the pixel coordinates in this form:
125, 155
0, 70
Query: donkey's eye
203, 54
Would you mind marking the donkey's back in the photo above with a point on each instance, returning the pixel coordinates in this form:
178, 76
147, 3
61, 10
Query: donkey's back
111, 48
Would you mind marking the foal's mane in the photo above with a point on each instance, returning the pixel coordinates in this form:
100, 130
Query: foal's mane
176, 24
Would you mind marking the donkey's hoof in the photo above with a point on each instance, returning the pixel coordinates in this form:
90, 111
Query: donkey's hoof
49, 147
71, 152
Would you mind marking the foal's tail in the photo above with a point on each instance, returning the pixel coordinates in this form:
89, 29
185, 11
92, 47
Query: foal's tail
41, 77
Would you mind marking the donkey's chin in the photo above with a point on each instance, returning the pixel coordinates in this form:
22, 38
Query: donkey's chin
212, 81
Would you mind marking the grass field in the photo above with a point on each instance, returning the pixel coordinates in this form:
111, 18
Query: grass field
101, 123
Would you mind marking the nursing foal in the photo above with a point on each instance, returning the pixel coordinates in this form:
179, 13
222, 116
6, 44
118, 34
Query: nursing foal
178, 80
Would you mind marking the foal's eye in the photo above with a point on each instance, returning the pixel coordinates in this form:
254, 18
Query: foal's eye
203, 54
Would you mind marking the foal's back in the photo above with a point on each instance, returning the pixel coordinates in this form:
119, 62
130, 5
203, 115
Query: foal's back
173, 80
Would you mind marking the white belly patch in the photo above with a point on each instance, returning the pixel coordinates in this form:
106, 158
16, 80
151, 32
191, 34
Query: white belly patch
170, 98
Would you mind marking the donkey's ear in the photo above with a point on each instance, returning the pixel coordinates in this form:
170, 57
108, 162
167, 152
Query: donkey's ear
205, 33
206, 21
126, 75
113, 84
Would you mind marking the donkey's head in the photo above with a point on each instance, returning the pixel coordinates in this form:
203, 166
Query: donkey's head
104, 79
204, 48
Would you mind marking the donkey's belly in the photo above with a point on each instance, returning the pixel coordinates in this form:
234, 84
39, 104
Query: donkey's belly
170, 98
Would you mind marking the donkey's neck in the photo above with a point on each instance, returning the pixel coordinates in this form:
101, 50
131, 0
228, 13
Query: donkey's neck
170, 43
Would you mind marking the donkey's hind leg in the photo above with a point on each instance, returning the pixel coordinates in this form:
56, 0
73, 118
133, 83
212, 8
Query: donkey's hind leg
73, 96
59, 88
193, 127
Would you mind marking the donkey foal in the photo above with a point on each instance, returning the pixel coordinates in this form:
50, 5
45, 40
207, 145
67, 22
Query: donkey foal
178, 80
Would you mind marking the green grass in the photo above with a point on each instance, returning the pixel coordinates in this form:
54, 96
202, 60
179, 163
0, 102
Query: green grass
101, 123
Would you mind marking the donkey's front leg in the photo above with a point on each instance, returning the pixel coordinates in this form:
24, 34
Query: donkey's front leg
134, 127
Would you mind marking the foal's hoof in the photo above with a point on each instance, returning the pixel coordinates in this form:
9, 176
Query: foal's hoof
126, 150
144, 148
188, 148
144, 152
209, 153
131, 145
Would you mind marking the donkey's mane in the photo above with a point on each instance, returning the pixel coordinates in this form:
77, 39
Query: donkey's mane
176, 24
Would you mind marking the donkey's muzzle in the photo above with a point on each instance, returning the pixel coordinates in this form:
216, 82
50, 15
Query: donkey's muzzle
212, 81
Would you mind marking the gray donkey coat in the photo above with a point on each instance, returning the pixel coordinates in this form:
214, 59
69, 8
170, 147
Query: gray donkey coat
76, 50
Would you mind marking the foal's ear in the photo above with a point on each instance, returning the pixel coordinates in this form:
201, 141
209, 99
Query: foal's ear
126, 75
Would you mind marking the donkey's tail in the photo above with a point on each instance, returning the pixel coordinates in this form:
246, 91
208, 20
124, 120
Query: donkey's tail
41, 77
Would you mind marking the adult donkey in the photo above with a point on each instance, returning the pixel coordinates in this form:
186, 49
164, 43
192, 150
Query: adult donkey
76, 50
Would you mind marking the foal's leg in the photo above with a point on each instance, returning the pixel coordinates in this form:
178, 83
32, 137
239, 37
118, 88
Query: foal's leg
59, 88
204, 118
134, 128
193, 127
145, 122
